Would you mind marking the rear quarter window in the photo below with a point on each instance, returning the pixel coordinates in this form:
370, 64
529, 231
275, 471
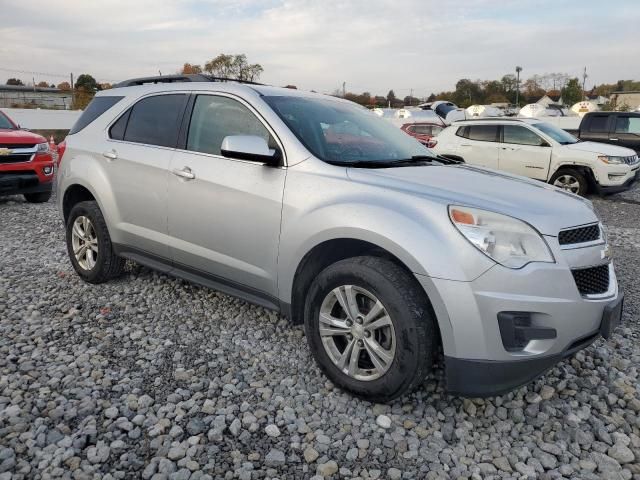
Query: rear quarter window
96, 107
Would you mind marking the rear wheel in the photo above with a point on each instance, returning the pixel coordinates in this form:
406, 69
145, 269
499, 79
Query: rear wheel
369, 326
571, 180
89, 244
41, 197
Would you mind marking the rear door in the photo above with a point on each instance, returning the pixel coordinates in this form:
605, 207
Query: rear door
479, 145
597, 128
524, 152
139, 149
626, 131
224, 223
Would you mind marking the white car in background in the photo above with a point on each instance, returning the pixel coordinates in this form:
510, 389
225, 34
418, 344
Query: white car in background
536, 149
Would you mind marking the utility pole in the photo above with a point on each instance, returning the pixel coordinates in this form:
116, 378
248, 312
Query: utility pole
71, 77
584, 79
518, 70
411, 97
344, 89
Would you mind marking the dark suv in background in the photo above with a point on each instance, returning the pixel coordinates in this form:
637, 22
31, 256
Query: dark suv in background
617, 128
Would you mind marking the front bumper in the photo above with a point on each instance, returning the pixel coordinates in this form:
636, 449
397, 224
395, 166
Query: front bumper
478, 360
33, 176
620, 182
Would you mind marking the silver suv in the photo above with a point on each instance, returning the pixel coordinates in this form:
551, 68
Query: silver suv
315, 207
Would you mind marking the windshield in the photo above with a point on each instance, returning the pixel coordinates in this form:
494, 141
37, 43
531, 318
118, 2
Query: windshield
5, 123
342, 133
559, 135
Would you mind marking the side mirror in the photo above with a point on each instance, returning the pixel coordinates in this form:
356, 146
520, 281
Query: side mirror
250, 147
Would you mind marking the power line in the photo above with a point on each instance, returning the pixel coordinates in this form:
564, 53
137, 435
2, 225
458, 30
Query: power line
44, 74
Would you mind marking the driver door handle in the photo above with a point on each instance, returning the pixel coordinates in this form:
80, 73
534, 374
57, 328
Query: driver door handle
613, 139
185, 173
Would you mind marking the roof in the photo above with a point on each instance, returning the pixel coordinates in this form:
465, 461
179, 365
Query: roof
28, 88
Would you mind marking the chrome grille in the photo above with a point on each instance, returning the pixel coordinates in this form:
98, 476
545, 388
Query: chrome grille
592, 280
589, 233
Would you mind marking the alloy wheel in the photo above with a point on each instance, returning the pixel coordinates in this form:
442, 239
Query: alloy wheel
84, 241
568, 182
357, 332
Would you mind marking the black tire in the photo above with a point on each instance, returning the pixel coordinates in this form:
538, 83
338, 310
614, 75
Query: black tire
41, 197
579, 176
108, 265
411, 315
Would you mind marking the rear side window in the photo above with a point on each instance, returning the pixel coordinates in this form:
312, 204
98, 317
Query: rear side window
463, 132
599, 124
483, 133
215, 117
117, 130
96, 107
154, 120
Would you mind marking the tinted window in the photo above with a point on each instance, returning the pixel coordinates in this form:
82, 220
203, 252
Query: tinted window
96, 107
520, 136
214, 118
155, 120
117, 129
628, 125
483, 133
463, 132
5, 124
599, 123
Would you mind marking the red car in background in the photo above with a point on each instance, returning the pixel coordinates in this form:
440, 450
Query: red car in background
26, 163
423, 132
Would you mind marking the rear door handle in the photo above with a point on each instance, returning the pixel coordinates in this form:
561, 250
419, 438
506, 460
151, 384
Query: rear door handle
613, 139
110, 155
185, 173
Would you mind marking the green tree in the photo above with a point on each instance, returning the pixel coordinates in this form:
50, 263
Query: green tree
572, 92
188, 69
87, 83
233, 66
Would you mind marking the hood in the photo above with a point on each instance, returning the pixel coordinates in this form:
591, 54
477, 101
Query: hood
20, 136
544, 206
601, 148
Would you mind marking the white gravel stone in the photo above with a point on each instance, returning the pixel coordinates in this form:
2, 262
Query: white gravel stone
383, 421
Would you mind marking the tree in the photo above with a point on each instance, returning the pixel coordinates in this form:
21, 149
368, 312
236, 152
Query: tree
572, 92
431, 98
87, 83
64, 86
233, 66
14, 81
189, 69
42, 84
391, 96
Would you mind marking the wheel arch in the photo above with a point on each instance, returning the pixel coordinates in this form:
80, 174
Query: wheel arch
73, 195
584, 169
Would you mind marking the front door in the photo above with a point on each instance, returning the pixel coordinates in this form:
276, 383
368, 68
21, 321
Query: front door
524, 152
224, 223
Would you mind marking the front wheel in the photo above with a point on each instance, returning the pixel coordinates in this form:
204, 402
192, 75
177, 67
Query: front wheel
89, 244
370, 328
571, 180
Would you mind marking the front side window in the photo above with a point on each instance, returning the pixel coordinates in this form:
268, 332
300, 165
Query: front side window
520, 136
561, 136
344, 133
5, 123
214, 118
483, 133
628, 125
155, 120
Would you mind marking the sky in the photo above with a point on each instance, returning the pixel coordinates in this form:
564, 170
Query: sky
422, 46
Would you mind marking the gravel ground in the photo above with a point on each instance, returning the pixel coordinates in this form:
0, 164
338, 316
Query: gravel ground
151, 377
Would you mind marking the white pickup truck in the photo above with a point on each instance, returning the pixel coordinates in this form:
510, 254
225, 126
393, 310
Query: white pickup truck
536, 149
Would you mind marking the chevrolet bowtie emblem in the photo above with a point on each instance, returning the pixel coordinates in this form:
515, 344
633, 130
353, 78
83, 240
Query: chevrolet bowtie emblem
4, 152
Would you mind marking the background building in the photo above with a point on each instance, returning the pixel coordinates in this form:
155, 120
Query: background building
22, 96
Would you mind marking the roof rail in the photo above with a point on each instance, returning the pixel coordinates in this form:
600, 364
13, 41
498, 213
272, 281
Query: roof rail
195, 77
502, 119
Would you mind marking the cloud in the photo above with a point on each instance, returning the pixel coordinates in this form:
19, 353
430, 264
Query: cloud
374, 45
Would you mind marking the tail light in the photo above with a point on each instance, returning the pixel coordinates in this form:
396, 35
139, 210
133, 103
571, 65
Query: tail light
62, 146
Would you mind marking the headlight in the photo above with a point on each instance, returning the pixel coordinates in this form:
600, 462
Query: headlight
611, 160
506, 240
42, 147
